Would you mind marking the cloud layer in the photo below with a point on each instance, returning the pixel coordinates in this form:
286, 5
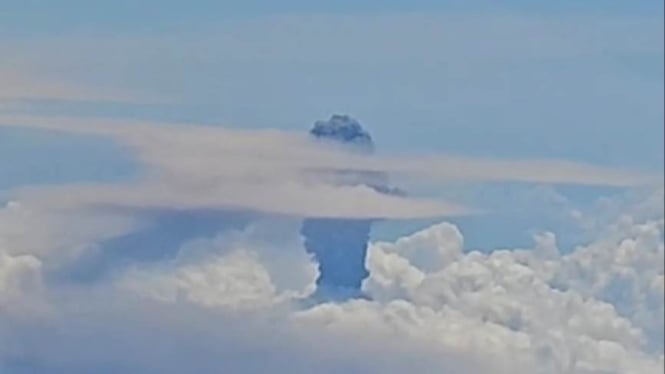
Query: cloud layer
595, 309
190, 167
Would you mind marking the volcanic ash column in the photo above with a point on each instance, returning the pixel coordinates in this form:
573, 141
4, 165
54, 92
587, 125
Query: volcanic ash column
340, 245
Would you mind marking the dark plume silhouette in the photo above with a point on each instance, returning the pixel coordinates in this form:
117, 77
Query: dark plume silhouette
340, 245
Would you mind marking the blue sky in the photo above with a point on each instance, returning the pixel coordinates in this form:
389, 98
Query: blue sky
563, 80
26, 17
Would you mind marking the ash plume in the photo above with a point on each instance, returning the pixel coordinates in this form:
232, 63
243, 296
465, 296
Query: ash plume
340, 245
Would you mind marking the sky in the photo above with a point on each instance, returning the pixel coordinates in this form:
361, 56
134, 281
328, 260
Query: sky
154, 156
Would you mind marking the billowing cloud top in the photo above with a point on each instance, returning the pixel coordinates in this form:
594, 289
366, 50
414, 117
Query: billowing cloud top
541, 310
344, 129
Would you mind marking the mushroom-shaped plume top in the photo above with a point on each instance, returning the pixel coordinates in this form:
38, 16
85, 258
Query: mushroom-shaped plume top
344, 130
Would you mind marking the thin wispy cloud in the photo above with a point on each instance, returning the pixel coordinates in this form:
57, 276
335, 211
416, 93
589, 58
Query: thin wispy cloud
21, 87
187, 148
267, 170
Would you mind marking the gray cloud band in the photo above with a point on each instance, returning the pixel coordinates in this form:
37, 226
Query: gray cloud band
280, 172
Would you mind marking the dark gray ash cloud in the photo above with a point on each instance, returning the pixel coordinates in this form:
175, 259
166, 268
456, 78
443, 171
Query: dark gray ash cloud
340, 245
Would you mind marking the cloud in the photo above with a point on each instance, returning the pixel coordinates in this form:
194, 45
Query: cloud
220, 301
203, 168
57, 235
534, 171
279, 172
19, 87
286, 199
549, 312
284, 37
194, 167
227, 297
598, 308
21, 285
181, 149
239, 270
537, 75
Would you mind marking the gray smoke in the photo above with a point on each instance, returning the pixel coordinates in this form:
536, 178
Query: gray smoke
340, 245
